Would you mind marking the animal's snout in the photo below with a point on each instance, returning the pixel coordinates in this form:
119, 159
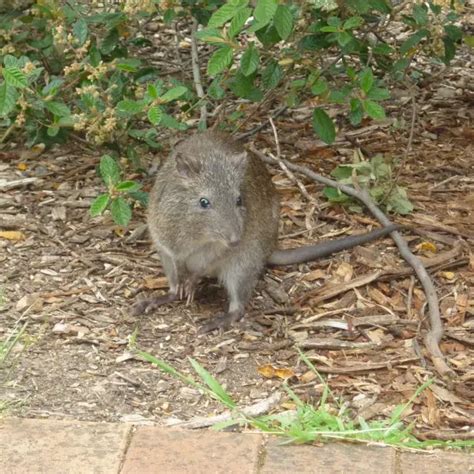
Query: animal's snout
234, 241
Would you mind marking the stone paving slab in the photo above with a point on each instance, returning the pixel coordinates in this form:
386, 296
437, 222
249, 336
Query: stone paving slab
437, 462
160, 450
72, 447
328, 459
61, 446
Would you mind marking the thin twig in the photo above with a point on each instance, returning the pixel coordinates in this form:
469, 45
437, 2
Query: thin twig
176, 49
434, 335
408, 148
275, 134
197, 75
282, 165
263, 125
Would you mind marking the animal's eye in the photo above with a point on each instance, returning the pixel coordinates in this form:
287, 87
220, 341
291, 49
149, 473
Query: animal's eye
239, 201
204, 203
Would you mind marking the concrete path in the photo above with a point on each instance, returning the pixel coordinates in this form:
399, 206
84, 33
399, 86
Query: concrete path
74, 447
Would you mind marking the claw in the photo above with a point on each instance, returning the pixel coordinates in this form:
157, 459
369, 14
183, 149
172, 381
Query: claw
190, 287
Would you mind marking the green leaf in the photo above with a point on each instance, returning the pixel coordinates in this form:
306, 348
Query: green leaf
52, 87
215, 90
155, 114
80, 30
140, 196
8, 98
128, 64
173, 94
99, 205
11, 61
382, 49
220, 60
342, 173
226, 12
412, 41
52, 130
324, 126
264, 11
271, 75
343, 38
378, 93
217, 391
170, 122
60, 109
130, 107
334, 21
211, 36
320, 86
268, 36
453, 32
121, 211
283, 21
420, 14
66, 122
169, 16
14, 77
249, 61
399, 202
334, 195
381, 5
238, 22
110, 41
373, 110
243, 86
338, 96
366, 79
109, 170
330, 29
357, 112
152, 92
353, 22
128, 186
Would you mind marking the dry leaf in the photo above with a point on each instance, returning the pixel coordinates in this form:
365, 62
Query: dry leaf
317, 274
69, 329
31, 300
269, 372
378, 296
308, 376
32, 152
152, 283
12, 235
426, 247
344, 272
447, 275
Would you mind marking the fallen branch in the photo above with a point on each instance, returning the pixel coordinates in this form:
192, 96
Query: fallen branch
17, 183
331, 290
259, 408
197, 75
434, 335
365, 367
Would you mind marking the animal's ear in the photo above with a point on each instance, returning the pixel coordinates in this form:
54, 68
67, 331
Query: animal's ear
187, 165
240, 160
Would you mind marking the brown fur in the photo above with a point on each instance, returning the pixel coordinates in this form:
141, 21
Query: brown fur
228, 241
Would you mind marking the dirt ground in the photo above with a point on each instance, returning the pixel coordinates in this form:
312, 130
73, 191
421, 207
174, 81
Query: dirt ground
71, 279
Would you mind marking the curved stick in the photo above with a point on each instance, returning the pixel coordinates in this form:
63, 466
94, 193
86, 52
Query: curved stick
434, 335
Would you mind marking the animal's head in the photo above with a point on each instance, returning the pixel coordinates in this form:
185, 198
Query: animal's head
211, 171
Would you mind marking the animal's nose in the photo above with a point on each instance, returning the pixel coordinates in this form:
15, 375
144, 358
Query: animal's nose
234, 241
